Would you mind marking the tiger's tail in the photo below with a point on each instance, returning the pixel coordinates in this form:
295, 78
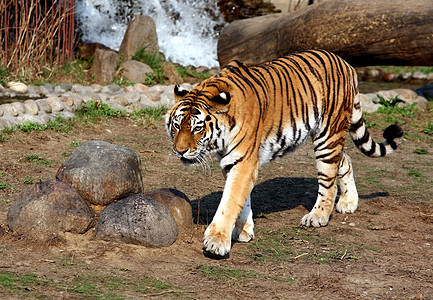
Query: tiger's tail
393, 135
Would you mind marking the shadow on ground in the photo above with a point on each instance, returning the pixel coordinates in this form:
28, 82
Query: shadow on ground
274, 195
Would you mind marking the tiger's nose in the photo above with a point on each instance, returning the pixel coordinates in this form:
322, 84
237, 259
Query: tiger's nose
181, 151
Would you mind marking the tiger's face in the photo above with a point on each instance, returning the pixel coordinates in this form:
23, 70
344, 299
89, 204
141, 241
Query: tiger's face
193, 126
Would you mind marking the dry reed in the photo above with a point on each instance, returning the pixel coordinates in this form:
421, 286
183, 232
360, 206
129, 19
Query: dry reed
35, 34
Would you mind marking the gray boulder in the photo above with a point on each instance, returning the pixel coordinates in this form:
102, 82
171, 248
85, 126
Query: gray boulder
47, 208
141, 33
135, 71
104, 65
137, 219
177, 202
102, 173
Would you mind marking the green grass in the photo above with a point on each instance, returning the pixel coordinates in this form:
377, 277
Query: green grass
401, 69
393, 112
3, 184
96, 110
299, 243
187, 71
39, 160
420, 151
148, 116
28, 179
429, 128
83, 286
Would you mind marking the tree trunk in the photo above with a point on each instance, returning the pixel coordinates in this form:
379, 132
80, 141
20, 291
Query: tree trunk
364, 32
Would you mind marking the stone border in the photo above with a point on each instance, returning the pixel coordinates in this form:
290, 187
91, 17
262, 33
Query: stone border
47, 101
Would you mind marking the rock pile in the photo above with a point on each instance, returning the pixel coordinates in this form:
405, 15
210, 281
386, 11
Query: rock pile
99, 176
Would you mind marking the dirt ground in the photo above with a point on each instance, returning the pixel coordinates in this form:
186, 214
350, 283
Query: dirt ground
382, 251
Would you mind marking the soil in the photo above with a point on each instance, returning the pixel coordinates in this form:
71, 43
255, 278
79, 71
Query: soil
382, 251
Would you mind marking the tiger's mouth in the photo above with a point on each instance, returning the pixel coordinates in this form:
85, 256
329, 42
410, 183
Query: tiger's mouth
188, 161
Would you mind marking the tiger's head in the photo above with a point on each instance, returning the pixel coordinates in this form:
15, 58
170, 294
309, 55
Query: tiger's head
196, 122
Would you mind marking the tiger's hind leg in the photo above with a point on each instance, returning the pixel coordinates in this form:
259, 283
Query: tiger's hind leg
327, 161
348, 201
243, 230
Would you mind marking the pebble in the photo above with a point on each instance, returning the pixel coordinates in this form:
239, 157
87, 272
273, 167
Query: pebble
46, 101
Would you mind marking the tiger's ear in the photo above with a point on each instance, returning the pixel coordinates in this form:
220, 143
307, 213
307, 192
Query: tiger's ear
220, 102
179, 92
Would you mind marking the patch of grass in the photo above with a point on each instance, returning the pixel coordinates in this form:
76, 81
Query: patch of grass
401, 69
3, 138
149, 115
59, 124
28, 179
3, 75
415, 173
16, 284
297, 243
96, 110
393, 111
39, 160
3, 184
420, 151
188, 71
429, 128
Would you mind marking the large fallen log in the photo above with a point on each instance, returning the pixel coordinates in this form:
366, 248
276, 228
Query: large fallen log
364, 32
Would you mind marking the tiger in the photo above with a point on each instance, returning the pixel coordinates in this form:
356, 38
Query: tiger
251, 115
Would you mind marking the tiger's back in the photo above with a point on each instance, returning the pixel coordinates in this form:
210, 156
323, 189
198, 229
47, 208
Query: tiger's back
251, 115
297, 95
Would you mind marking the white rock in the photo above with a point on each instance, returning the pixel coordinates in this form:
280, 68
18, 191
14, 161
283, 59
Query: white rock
18, 87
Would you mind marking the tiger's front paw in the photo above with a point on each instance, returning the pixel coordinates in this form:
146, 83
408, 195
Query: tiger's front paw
216, 243
315, 219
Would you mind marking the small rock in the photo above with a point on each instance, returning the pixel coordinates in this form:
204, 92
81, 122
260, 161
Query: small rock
55, 103
389, 76
65, 86
153, 96
419, 75
373, 74
47, 89
352, 224
43, 105
135, 71
132, 97
141, 87
19, 106
406, 94
111, 88
18, 87
102, 173
405, 76
11, 109
121, 100
177, 202
1, 112
69, 101
32, 107
49, 207
96, 88
137, 219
